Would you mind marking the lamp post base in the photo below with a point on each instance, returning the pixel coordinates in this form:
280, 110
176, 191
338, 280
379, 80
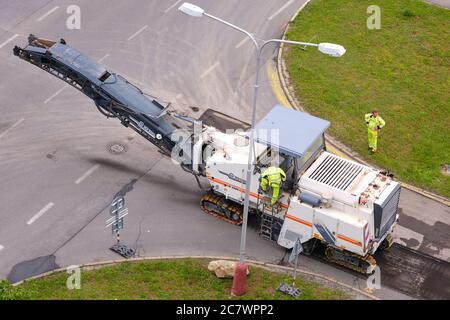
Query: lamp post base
239, 280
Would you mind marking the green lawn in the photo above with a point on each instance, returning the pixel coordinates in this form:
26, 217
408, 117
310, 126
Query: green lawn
403, 70
162, 279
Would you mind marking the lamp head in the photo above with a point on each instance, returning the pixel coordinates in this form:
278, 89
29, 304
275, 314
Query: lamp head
191, 10
331, 49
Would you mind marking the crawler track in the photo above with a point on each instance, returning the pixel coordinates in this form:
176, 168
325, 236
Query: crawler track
221, 208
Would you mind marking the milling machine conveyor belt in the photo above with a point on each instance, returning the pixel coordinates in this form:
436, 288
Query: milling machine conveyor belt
113, 95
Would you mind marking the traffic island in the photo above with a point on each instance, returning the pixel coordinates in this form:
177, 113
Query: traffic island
176, 279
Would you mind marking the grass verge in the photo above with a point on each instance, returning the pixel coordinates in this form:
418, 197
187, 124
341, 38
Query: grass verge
401, 69
163, 279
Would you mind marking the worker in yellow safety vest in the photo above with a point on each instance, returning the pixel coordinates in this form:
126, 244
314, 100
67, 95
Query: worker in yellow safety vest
374, 124
273, 177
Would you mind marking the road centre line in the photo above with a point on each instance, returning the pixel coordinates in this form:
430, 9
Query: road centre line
4, 133
281, 9
40, 213
8, 41
45, 15
87, 174
137, 32
207, 71
172, 6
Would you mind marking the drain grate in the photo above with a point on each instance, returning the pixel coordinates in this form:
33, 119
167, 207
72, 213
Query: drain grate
116, 147
290, 290
122, 250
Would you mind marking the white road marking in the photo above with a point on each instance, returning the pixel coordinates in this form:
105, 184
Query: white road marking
207, 71
55, 94
242, 42
8, 41
4, 133
40, 213
87, 174
1, 247
103, 58
45, 15
172, 6
281, 9
137, 32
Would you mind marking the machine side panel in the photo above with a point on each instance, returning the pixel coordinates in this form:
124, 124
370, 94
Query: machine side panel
350, 235
330, 226
297, 224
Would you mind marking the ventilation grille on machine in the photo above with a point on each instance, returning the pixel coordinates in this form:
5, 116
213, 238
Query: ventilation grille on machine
336, 172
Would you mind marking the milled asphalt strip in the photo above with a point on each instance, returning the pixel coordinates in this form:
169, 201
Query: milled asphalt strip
8, 41
281, 9
87, 174
40, 213
4, 133
45, 15
137, 33
402, 234
207, 71
172, 6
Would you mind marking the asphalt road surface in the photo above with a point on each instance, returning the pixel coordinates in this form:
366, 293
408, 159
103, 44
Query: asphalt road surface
443, 3
59, 174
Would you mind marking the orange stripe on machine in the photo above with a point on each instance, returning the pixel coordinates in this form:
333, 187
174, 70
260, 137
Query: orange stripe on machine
306, 223
350, 240
242, 190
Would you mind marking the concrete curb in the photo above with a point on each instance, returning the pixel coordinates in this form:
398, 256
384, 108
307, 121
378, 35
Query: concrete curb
260, 264
290, 95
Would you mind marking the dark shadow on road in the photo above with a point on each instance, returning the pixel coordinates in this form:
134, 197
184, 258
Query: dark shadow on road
32, 268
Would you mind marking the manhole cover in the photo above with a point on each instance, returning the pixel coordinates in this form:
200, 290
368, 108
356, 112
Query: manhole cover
116, 147
52, 156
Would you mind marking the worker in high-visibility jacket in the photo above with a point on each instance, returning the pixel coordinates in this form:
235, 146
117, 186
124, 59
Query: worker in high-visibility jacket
273, 177
374, 124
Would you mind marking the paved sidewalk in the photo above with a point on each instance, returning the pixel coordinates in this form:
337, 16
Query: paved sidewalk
443, 3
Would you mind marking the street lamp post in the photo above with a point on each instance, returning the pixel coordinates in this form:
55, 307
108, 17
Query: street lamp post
330, 49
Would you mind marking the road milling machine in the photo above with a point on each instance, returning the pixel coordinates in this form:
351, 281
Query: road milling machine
347, 208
